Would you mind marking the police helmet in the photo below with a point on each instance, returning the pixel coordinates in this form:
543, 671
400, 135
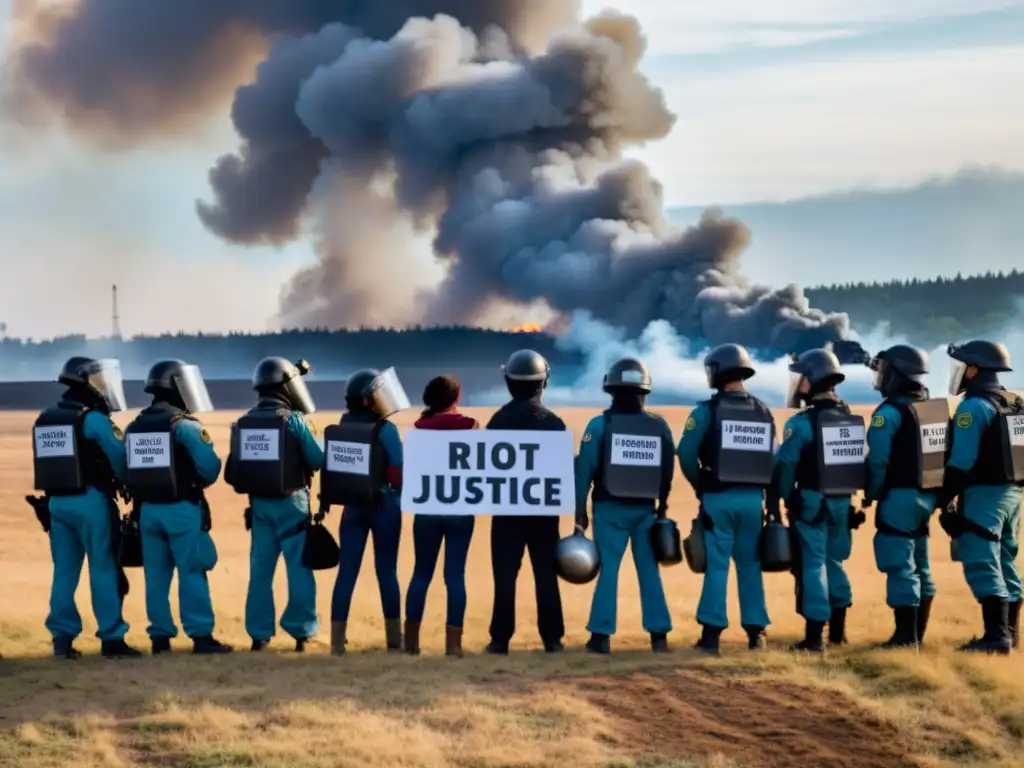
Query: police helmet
359, 384
526, 365
899, 365
986, 355
727, 362
278, 376
75, 371
628, 373
382, 391
179, 383
819, 368
98, 381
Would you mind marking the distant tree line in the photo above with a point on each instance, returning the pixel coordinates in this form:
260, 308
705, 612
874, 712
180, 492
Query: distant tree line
930, 312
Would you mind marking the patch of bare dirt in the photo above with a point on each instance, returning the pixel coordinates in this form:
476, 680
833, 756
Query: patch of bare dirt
757, 723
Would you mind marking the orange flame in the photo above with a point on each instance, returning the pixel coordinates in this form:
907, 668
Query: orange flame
528, 328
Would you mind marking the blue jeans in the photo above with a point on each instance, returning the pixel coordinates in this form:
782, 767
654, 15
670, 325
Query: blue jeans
357, 524
428, 531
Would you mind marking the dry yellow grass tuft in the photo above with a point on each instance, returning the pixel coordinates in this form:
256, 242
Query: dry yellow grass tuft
855, 707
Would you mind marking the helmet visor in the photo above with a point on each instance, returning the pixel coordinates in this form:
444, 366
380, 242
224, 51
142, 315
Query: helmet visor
880, 367
104, 378
709, 371
387, 395
956, 377
793, 393
192, 389
298, 395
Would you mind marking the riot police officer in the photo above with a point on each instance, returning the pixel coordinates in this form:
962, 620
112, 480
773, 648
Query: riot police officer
626, 454
985, 469
526, 376
79, 464
274, 454
906, 454
726, 455
818, 467
363, 473
171, 461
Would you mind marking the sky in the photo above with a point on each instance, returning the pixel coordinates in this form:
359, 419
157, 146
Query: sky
778, 100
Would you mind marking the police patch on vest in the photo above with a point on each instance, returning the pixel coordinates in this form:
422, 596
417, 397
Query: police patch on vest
149, 450
205, 436
933, 438
53, 442
788, 433
878, 420
691, 424
1016, 425
843, 445
259, 445
636, 450
587, 437
964, 420
746, 436
117, 432
350, 458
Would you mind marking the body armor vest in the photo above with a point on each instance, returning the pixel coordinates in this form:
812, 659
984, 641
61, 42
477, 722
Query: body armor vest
833, 462
160, 470
630, 469
1001, 450
354, 462
737, 448
917, 458
266, 458
64, 462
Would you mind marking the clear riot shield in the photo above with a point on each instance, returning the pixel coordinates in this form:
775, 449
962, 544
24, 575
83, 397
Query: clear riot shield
104, 376
387, 395
192, 389
299, 396
793, 393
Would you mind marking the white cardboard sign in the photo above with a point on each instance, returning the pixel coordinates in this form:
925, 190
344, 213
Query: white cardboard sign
259, 444
843, 445
54, 442
933, 438
349, 458
148, 450
636, 450
747, 436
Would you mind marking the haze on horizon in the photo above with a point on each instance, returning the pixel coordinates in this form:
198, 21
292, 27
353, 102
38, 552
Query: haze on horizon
777, 101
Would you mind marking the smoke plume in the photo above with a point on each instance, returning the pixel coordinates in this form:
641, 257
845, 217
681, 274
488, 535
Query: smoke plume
494, 127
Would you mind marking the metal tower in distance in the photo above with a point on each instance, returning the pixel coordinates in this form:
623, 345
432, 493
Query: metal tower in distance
115, 318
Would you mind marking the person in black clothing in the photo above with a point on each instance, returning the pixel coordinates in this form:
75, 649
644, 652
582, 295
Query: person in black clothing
526, 375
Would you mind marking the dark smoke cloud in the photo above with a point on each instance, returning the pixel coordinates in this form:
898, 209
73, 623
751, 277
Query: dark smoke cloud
495, 127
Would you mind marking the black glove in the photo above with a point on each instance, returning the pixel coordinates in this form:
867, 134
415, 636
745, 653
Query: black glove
705, 520
248, 518
125, 495
661, 510
951, 521
41, 506
857, 518
582, 521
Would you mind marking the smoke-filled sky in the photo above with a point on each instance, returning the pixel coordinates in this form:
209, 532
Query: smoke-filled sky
363, 146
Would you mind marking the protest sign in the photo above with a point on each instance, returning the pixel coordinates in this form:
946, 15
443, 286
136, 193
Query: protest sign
488, 472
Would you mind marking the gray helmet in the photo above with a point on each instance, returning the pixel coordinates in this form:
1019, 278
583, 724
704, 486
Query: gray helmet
179, 383
986, 355
577, 559
526, 365
382, 389
278, 376
897, 366
819, 368
728, 362
97, 380
628, 373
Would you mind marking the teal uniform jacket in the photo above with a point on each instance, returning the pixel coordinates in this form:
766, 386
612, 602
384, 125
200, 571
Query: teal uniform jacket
989, 566
83, 527
278, 529
616, 524
903, 558
173, 539
736, 516
822, 526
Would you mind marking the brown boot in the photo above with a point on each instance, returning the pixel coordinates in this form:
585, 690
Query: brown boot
338, 640
453, 641
393, 634
412, 638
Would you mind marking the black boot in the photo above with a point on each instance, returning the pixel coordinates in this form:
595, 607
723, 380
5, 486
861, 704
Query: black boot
756, 638
996, 614
497, 648
905, 635
812, 641
118, 649
709, 638
207, 645
63, 648
659, 642
599, 643
160, 645
553, 646
837, 627
1014, 623
924, 612
300, 644
259, 645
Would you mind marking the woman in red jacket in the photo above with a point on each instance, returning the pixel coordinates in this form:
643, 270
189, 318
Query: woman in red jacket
441, 397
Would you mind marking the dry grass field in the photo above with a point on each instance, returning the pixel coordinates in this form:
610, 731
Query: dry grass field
854, 707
